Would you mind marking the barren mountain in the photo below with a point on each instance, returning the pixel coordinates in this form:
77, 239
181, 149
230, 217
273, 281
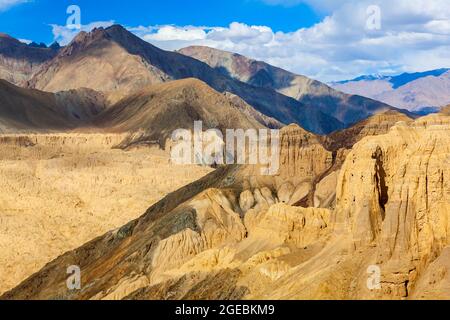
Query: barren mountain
418, 92
19, 61
32, 110
86, 157
346, 108
253, 113
123, 63
154, 113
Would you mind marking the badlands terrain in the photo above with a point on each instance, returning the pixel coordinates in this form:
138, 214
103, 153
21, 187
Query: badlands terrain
59, 191
237, 235
87, 180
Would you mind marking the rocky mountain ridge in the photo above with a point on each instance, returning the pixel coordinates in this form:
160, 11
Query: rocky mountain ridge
19, 61
346, 108
124, 63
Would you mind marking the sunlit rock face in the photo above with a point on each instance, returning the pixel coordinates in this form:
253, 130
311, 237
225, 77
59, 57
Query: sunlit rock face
394, 193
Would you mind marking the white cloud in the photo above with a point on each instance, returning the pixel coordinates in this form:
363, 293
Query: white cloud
414, 36
64, 34
6, 4
340, 46
167, 33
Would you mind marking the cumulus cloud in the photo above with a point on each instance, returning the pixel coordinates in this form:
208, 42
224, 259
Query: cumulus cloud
338, 47
65, 34
235, 35
414, 35
6, 4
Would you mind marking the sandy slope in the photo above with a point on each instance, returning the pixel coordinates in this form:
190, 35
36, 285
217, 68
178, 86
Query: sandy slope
59, 191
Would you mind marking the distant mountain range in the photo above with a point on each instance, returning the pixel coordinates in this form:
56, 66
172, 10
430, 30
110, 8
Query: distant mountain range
116, 64
348, 109
153, 113
420, 92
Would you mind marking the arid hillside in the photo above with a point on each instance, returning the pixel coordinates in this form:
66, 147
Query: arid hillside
30, 110
348, 109
154, 113
236, 235
59, 191
19, 61
124, 64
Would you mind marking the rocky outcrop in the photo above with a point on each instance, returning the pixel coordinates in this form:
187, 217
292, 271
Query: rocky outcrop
284, 224
194, 234
303, 162
325, 191
394, 192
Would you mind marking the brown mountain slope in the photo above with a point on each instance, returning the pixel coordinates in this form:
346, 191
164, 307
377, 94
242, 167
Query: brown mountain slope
154, 113
375, 125
254, 72
227, 237
346, 108
30, 110
252, 112
123, 63
18, 61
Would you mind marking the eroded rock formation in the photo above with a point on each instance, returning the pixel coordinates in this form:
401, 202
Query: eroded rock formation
392, 212
237, 234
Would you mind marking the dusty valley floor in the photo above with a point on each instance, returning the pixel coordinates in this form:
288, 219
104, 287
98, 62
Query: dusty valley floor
59, 191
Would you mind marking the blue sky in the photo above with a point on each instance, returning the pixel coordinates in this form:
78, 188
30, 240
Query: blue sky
326, 40
32, 20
